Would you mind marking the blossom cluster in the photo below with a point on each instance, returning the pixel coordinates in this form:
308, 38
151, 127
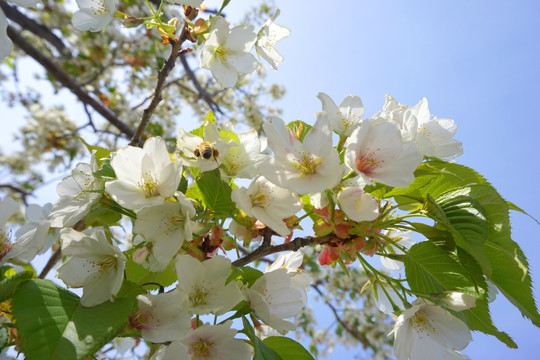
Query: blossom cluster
180, 208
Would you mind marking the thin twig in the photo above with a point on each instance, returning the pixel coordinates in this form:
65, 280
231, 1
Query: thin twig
67, 81
162, 76
24, 193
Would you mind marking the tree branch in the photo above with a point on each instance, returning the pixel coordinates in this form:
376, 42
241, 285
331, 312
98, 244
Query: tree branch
68, 82
162, 76
24, 193
267, 249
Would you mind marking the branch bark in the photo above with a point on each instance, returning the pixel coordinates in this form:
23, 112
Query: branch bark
68, 82
266, 248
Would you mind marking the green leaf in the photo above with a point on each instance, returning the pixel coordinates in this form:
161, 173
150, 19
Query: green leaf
514, 207
246, 274
287, 348
210, 117
299, 129
52, 323
106, 171
182, 186
9, 286
101, 216
101, 153
139, 275
262, 351
478, 318
216, 193
430, 270
510, 266
465, 218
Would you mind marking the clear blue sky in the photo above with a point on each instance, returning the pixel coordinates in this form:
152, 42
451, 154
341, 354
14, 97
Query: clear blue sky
477, 62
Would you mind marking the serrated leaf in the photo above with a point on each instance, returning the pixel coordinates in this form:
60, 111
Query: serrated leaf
52, 324
246, 274
9, 286
287, 348
216, 193
510, 266
430, 270
262, 351
465, 218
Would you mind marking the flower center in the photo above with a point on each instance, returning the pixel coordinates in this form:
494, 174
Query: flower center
5, 243
308, 164
107, 264
149, 185
222, 54
200, 349
422, 324
367, 163
198, 296
140, 319
99, 8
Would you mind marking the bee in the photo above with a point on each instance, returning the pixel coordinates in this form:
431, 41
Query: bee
206, 150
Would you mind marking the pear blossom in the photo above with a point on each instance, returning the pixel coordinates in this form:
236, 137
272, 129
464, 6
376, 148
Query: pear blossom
186, 144
5, 43
161, 317
273, 299
267, 38
243, 160
427, 331
345, 118
267, 202
93, 15
403, 238
292, 261
145, 176
226, 52
208, 342
33, 237
458, 301
304, 167
376, 152
204, 284
357, 204
166, 226
8, 207
78, 193
124, 344
93, 264
432, 136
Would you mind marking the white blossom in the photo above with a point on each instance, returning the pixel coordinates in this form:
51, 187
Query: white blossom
357, 204
385, 297
8, 207
458, 301
243, 160
187, 143
306, 167
273, 299
192, 3
33, 237
162, 317
267, 38
268, 203
208, 342
145, 176
226, 52
376, 151
403, 239
292, 261
166, 226
93, 15
427, 331
203, 284
345, 118
93, 264
78, 193
6, 46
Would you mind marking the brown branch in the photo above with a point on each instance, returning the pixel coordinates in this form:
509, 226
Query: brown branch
34, 27
50, 264
68, 82
162, 77
266, 248
24, 193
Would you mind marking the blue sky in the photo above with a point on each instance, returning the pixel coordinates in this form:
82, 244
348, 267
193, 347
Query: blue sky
477, 62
